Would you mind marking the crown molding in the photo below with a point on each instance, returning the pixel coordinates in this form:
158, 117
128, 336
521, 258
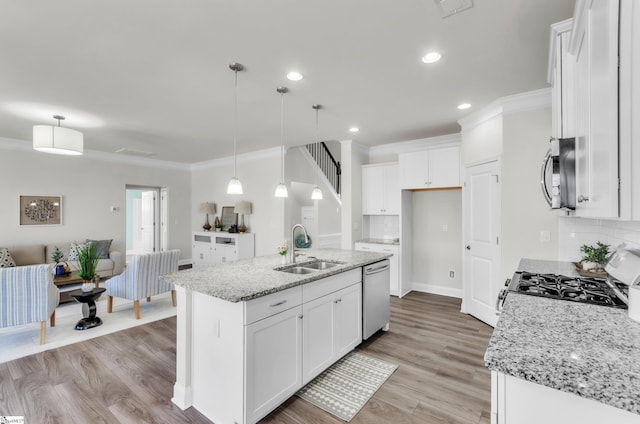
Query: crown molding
11, 144
241, 158
531, 100
417, 144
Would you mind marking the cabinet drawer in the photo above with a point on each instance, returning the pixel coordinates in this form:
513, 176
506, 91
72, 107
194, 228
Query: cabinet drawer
272, 304
316, 289
377, 247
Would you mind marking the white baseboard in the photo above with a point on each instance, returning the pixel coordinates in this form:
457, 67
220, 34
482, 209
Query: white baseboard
435, 289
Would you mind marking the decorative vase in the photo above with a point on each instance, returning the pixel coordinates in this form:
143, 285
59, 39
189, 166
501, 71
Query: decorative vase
284, 259
59, 270
87, 286
207, 226
218, 229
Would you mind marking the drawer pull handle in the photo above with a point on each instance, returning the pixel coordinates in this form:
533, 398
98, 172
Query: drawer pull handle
282, 302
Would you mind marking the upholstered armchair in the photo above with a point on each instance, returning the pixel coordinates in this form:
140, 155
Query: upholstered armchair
140, 279
27, 295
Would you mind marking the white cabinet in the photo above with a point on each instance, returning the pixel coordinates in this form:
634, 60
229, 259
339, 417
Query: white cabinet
335, 321
562, 79
246, 358
594, 43
273, 361
517, 401
433, 168
380, 189
394, 271
209, 248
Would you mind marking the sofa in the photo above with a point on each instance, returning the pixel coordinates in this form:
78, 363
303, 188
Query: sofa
41, 254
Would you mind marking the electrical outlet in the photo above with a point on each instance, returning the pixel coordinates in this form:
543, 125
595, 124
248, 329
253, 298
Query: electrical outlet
545, 236
452, 274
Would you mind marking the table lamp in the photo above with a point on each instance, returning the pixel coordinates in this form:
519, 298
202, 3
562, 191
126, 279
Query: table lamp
208, 208
243, 208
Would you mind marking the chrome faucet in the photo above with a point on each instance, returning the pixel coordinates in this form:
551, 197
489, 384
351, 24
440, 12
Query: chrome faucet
293, 240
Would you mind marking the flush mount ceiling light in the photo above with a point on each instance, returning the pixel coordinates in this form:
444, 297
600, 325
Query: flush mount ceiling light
354, 129
294, 76
316, 194
451, 7
464, 106
57, 140
281, 189
234, 186
431, 57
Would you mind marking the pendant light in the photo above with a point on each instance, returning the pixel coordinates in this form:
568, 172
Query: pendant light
235, 187
281, 189
57, 140
316, 194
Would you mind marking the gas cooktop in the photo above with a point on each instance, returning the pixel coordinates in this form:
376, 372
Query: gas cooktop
577, 289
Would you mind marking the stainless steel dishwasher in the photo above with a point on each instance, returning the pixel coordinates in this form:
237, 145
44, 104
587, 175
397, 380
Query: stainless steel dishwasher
375, 298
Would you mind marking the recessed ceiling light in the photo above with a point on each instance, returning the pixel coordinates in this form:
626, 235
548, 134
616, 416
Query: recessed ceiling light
431, 57
294, 76
354, 129
464, 106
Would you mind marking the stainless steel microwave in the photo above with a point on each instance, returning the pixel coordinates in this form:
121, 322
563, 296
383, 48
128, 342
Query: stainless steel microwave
558, 174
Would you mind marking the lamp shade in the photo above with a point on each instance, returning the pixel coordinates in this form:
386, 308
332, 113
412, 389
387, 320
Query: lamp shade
234, 187
58, 140
316, 194
207, 207
281, 190
243, 207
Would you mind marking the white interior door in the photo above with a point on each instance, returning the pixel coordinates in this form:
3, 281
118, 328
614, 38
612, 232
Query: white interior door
148, 221
308, 219
136, 226
481, 211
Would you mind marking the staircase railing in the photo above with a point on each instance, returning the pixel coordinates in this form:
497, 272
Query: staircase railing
329, 166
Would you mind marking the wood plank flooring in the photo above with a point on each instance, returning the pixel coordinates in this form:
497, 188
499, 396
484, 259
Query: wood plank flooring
127, 377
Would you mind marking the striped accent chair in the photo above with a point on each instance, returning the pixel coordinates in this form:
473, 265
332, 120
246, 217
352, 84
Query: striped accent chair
140, 279
27, 295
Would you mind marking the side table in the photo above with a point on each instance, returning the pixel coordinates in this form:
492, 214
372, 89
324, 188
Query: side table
88, 300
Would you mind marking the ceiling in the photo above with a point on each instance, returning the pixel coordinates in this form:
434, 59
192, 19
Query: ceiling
153, 75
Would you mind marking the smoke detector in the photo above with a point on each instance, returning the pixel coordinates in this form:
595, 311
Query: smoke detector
451, 7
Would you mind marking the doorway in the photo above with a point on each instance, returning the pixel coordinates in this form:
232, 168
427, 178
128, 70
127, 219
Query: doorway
146, 217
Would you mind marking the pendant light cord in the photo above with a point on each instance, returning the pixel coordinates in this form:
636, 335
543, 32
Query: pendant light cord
282, 135
235, 122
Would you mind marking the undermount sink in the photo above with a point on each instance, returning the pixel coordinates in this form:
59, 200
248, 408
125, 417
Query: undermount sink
298, 270
320, 265
308, 268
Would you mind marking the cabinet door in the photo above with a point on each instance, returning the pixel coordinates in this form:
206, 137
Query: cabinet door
348, 319
391, 190
597, 108
224, 253
202, 255
414, 170
372, 193
273, 363
318, 341
444, 167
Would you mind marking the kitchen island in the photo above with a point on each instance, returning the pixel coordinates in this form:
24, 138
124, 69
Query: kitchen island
249, 335
558, 361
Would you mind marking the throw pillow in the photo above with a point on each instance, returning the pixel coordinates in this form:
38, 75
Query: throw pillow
6, 261
73, 251
102, 247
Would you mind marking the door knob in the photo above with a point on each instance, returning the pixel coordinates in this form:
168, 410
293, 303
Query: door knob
468, 247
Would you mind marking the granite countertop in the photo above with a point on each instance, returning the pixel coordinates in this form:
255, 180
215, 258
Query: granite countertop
588, 350
256, 277
380, 241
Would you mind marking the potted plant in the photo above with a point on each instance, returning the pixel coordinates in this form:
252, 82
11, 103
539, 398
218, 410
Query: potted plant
57, 256
217, 224
594, 257
88, 259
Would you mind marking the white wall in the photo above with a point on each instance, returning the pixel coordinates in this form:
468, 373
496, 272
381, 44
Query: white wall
436, 251
259, 173
525, 213
482, 141
89, 186
353, 157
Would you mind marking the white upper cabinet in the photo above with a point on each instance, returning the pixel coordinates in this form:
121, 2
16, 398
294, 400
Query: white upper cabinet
380, 189
594, 44
434, 168
562, 79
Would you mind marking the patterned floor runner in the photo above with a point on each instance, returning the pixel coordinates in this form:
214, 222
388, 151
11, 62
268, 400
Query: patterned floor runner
345, 387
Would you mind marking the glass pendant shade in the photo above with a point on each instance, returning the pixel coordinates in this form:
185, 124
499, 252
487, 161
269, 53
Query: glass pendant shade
316, 194
234, 187
281, 190
57, 140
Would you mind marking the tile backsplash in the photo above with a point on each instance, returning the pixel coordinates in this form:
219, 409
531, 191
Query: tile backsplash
574, 232
380, 226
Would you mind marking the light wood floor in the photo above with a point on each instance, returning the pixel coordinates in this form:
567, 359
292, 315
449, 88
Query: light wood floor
127, 377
